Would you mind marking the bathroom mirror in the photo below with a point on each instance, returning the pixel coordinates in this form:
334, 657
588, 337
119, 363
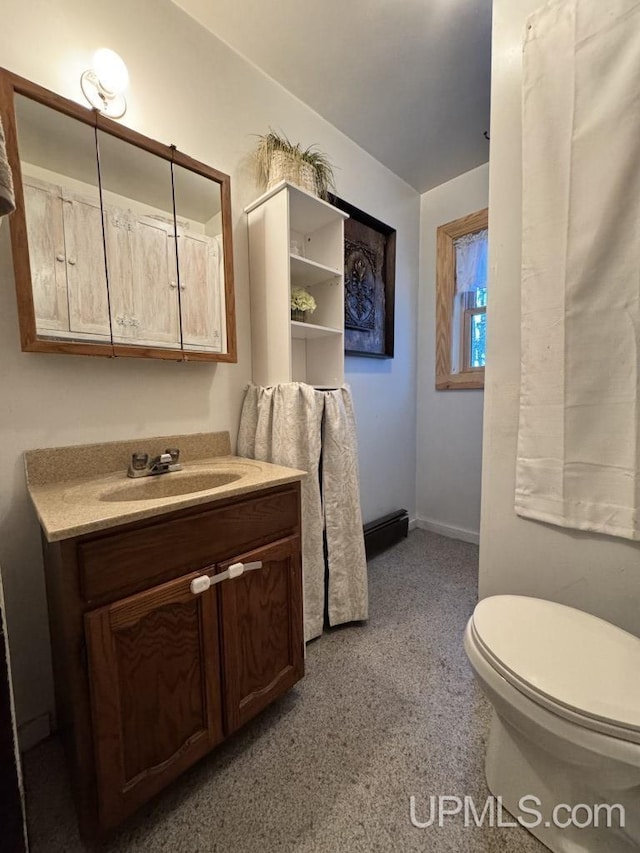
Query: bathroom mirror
200, 243
121, 245
64, 223
139, 225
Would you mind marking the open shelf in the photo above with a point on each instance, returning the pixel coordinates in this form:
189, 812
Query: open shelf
306, 273
307, 210
296, 240
310, 330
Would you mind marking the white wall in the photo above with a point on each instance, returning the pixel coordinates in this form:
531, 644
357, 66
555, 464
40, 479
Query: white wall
598, 574
449, 432
189, 89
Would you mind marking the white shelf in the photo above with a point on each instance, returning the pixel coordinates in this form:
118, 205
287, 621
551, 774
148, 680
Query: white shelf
306, 273
285, 350
307, 210
309, 330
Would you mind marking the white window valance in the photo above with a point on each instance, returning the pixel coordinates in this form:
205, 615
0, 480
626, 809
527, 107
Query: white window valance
471, 261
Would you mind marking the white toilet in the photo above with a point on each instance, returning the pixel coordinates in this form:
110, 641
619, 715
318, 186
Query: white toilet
565, 690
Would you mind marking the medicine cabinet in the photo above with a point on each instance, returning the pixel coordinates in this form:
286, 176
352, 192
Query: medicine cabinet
121, 245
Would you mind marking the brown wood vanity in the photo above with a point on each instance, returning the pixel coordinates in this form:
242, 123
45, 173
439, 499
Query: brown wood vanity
151, 676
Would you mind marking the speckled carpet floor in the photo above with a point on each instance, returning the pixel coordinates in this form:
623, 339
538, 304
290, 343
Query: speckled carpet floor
386, 710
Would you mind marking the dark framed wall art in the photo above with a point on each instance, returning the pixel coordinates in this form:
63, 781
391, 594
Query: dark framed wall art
369, 283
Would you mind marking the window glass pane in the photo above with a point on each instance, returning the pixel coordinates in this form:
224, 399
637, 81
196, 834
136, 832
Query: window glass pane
478, 331
481, 298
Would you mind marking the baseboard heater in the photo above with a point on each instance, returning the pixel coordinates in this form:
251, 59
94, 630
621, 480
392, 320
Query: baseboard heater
385, 531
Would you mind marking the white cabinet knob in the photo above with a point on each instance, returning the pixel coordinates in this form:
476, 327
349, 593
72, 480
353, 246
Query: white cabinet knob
60, 258
200, 584
72, 261
235, 570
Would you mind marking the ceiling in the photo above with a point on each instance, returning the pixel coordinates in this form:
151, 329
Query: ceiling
408, 80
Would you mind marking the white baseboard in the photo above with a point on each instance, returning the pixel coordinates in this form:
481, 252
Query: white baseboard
449, 530
33, 731
413, 523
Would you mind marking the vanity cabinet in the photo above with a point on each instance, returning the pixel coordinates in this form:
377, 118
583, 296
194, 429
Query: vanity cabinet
151, 675
296, 240
154, 664
258, 620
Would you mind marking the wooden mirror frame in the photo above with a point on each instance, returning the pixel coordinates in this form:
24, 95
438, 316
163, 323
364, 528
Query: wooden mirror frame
11, 85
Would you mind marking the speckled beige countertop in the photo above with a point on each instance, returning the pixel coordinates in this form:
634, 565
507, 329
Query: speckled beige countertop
85, 488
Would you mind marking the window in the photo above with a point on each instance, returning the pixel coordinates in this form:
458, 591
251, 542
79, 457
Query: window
461, 302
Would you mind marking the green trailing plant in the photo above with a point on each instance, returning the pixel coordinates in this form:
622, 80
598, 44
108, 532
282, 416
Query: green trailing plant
319, 162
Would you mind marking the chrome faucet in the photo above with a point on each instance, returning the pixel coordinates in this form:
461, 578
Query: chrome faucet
142, 465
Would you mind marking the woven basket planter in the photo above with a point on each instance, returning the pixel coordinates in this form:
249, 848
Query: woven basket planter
283, 167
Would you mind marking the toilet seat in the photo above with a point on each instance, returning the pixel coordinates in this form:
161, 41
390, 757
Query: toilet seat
573, 664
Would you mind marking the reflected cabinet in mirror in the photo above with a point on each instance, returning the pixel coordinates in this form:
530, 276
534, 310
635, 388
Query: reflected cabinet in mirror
121, 245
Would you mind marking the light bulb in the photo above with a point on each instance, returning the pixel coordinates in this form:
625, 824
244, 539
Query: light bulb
110, 70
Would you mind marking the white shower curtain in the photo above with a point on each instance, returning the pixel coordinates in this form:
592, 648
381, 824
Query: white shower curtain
579, 434
292, 424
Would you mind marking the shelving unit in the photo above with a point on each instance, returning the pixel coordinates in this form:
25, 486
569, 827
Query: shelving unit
310, 330
306, 273
282, 220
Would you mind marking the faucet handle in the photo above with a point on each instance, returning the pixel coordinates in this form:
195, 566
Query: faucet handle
174, 453
139, 461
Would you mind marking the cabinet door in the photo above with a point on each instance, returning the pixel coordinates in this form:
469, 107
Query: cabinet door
262, 639
118, 228
154, 668
45, 234
155, 287
86, 275
201, 288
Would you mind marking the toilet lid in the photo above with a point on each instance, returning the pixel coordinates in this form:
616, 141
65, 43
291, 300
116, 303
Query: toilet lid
570, 658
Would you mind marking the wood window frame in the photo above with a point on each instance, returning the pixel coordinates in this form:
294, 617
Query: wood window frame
466, 378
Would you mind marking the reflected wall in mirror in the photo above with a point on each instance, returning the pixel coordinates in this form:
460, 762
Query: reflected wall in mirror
121, 245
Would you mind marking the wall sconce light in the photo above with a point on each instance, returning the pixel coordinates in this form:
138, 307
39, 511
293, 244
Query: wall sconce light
104, 83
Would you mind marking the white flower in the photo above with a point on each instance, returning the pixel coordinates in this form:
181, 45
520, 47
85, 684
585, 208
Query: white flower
302, 301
